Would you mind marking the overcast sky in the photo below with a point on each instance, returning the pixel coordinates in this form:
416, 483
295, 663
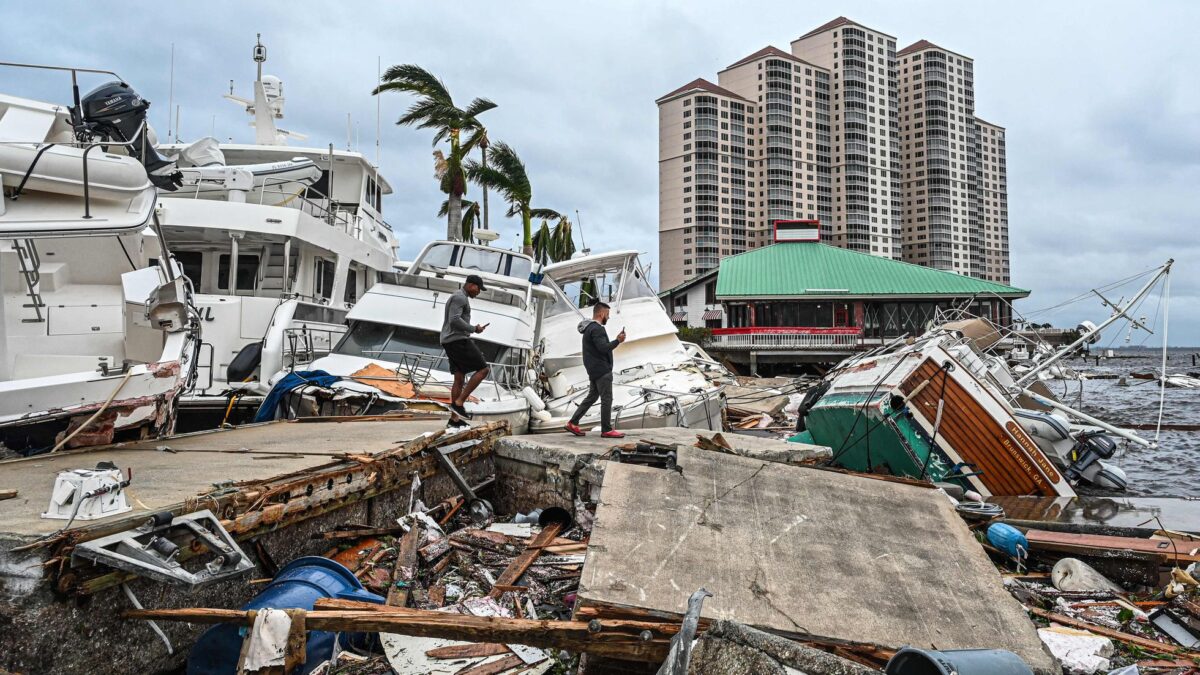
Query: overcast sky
1099, 98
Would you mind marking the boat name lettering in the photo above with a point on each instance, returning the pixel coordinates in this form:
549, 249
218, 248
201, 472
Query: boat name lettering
1032, 450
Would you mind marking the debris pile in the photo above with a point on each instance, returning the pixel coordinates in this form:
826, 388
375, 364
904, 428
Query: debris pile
447, 560
1103, 602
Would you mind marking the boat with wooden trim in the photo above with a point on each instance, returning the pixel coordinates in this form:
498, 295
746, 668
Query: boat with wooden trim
929, 409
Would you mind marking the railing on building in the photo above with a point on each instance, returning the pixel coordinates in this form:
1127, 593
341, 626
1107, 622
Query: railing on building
785, 338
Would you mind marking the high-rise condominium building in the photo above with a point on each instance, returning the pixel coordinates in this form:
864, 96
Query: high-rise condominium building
880, 147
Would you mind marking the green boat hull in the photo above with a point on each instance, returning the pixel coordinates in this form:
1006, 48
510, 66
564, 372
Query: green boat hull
869, 436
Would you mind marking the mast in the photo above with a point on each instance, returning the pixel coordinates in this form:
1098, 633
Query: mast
1118, 313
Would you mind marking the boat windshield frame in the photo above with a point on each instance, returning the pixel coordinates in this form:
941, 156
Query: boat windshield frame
631, 282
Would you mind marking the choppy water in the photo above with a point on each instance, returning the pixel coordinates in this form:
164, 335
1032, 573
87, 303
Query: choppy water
1171, 469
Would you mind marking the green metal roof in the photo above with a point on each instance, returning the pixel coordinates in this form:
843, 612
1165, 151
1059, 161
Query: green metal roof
818, 270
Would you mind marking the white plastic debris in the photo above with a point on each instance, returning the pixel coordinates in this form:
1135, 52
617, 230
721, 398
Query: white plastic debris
1070, 574
1080, 652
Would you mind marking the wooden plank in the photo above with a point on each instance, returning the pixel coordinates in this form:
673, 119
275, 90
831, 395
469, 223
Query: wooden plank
8, 494
512, 573
1136, 640
359, 534
405, 569
467, 651
616, 639
1097, 544
493, 667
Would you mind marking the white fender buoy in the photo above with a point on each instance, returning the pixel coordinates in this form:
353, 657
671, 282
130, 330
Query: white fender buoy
535, 401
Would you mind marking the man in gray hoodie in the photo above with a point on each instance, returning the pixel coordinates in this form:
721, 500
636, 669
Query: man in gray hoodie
598, 361
461, 351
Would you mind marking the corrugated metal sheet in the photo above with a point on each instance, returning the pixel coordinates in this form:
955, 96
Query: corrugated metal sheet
820, 270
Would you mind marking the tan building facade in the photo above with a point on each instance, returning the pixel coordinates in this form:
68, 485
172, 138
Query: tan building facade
829, 132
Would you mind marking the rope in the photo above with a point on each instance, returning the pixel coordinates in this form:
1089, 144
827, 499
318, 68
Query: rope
1162, 390
153, 626
99, 411
937, 422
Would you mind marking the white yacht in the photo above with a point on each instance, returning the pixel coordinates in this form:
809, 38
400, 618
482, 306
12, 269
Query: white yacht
278, 242
391, 357
98, 335
658, 380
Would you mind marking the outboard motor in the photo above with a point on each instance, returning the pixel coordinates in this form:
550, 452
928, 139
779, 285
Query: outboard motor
1090, 448
116, 112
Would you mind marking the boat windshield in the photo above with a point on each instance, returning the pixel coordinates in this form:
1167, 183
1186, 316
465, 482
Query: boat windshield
397, 343
490, 260
624, 281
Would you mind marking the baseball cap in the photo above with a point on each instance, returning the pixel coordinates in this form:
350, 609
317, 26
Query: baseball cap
474, 279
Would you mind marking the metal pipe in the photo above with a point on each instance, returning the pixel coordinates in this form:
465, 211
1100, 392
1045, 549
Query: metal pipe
1127, 435
1119, 313
287, 261
233, 263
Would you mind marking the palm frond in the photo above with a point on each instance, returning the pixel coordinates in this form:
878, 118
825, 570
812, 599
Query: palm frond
414, 79
479, 105
546, 214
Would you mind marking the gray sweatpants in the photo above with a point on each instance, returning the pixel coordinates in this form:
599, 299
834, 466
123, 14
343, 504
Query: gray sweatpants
600, 388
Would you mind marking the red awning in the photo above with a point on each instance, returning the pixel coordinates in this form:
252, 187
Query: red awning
679, 316
712, 314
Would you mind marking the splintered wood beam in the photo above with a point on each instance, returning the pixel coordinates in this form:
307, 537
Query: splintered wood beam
1137, 640
468, 651
512, 573
405, 569
493, 667
628, 640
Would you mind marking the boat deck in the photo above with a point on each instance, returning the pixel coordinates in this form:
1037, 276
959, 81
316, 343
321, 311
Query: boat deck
169, 471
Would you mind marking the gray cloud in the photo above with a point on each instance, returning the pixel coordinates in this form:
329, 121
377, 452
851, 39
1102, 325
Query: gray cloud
1098, 99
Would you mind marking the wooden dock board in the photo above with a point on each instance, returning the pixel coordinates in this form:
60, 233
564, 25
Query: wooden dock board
162, 478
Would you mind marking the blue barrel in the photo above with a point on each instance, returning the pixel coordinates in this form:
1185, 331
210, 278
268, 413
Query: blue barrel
1007, 538
912, 661
297, 586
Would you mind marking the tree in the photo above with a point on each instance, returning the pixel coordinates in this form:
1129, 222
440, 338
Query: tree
470, 216
553, 245
508, 177
435, 109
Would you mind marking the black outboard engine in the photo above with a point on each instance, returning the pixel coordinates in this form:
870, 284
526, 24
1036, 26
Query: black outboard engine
116, 112
1090, 448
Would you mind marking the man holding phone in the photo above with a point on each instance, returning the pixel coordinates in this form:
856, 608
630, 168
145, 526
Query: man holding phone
461, 351
598, 360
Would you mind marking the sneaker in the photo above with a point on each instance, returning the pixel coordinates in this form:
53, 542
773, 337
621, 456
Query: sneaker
574, 428
458, 423
460, 411
612, 434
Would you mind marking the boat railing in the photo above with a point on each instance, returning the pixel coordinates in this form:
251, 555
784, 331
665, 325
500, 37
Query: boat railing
305, 344
785, 338
419, 367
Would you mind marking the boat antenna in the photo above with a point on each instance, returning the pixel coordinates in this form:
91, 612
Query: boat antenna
378, 115
348, 133
579, 221
171, 90
177, 123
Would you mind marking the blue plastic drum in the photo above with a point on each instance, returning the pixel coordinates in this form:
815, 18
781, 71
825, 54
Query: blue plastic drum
297, 586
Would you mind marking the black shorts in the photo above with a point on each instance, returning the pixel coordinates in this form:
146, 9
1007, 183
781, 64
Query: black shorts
464, 356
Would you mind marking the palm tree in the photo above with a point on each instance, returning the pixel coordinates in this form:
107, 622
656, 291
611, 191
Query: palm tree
435, 109
470, 216
553, 245
507, 176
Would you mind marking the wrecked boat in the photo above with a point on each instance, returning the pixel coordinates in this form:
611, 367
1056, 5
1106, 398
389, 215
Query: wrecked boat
657, 379
98, 334
928, 410
390, 358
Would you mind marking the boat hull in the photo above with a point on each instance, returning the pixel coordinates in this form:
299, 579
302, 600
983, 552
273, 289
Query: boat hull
894, 427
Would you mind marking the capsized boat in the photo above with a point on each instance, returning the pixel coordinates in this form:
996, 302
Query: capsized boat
658, 380
927, 409
98, 332
391, 358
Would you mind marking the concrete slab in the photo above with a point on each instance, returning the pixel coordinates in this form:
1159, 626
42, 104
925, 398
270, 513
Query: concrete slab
802, 551
552, 469
162, 478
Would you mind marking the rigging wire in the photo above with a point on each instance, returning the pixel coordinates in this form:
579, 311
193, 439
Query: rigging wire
1162, 390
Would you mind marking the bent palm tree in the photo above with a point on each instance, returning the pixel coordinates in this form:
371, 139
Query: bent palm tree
470, 216
435, 109
508, 177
